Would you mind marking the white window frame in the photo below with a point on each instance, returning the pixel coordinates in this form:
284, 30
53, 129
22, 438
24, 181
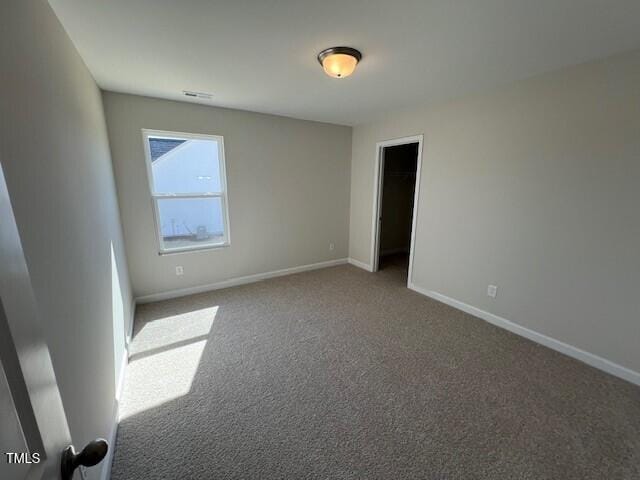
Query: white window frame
155, 197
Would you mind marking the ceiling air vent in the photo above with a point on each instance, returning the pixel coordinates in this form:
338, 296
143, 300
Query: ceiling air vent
192, 94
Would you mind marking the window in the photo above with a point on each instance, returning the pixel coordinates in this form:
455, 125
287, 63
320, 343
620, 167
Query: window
188, 189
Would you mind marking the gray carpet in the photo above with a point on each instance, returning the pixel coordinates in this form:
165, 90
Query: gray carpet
343, 374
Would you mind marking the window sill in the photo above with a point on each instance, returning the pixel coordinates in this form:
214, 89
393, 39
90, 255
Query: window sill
197, 248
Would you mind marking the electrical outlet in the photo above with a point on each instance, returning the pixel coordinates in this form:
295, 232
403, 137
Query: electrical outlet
83, 472
492, 291
331, 246
179, 270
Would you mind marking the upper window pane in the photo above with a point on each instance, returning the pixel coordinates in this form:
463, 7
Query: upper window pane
184, 165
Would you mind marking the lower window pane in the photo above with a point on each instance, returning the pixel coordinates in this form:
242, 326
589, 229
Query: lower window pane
190, 222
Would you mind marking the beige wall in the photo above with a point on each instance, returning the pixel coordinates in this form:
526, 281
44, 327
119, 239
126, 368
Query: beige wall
55, 155
288, 186
535, 188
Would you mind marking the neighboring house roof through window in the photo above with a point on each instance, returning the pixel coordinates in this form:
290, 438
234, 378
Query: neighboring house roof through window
160, 146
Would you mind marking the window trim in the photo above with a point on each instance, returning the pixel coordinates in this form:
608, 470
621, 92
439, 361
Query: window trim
154, 197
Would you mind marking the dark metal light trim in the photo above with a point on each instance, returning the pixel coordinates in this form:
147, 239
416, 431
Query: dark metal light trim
337, 50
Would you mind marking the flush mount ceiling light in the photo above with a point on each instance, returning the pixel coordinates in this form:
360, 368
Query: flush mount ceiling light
339, 62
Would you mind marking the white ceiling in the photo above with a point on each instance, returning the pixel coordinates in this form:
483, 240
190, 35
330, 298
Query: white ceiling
260, 55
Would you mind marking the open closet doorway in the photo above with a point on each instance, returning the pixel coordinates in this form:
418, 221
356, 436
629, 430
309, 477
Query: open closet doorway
398, 170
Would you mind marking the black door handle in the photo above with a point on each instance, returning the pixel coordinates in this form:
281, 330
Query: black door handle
90, 455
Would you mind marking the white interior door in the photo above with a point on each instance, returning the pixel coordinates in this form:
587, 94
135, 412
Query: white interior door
34, 428
378, 209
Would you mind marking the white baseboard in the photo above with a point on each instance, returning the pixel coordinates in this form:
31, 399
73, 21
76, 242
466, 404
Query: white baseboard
129, 333
123, 371
106, 463
155, 297
359, 264
586, 357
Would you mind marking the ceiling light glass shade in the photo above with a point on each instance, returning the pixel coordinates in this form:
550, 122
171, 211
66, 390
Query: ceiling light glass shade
339, 62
